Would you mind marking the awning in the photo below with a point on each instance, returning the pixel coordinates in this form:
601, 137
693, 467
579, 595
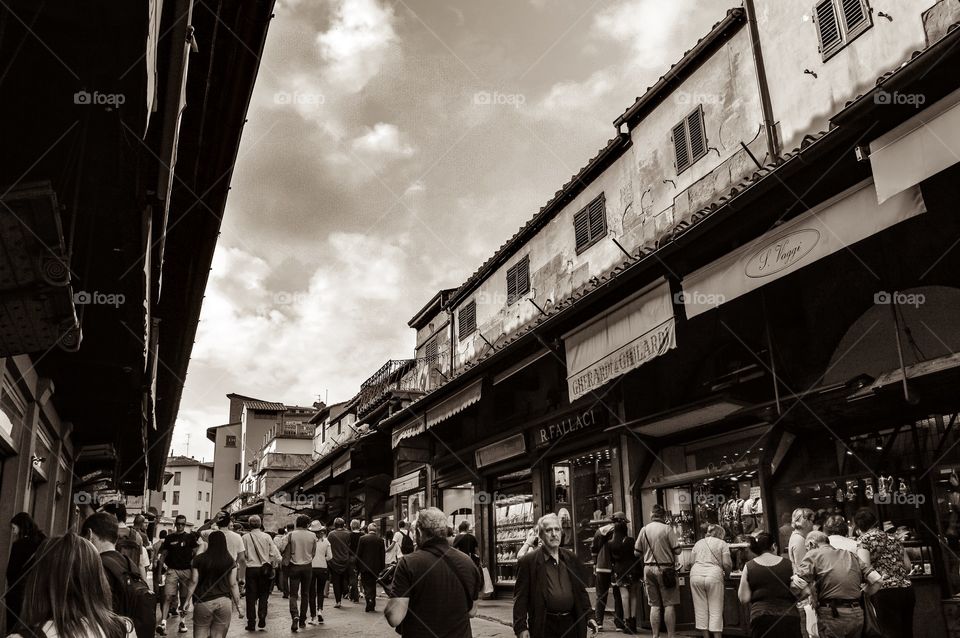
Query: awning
919, 148
405, 483
631, 334
835, 224
405, 431
454, 404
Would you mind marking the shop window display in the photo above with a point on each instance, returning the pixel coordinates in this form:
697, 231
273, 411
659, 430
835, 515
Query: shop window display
410, 506
513, 521
583, 499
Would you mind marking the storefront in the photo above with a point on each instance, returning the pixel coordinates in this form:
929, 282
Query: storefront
409, 493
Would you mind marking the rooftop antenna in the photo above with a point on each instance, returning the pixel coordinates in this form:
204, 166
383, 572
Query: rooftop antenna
188, 444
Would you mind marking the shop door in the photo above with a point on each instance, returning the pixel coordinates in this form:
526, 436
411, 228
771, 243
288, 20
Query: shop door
583, 499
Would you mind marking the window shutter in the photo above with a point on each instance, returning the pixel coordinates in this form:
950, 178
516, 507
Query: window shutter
698, 142
598, 218
581, 228
523, 277
828, 27
467, 320
856, 16
432, 350
511, 285
680, 147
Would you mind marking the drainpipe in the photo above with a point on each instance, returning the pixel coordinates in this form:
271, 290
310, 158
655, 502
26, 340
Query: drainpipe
453, 336
773, 149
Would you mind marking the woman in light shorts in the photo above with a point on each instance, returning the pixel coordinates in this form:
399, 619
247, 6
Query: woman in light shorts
213, 587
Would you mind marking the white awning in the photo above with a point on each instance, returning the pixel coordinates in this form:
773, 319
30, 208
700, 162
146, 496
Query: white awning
407, 430
628, 336
454, 404
405, 483
834, 225
919, 148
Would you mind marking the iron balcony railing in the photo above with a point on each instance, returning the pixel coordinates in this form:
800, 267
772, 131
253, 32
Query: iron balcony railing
412, 375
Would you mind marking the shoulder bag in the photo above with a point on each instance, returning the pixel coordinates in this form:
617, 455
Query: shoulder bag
267, 569
668, 571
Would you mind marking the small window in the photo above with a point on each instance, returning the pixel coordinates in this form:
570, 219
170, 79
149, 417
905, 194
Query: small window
198, 516
208, 496
689, 140
432, 349
236, 472
164, 496
467, 320
176, 497
518, 280
231, 441
839, 22
176, 478
590, 224
175, 513
199, 496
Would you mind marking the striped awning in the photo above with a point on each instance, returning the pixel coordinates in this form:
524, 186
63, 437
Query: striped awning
411, 428
454, 404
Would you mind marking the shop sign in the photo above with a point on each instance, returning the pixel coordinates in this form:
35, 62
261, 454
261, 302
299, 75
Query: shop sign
500, 451
782, 252
552, 432
405, 483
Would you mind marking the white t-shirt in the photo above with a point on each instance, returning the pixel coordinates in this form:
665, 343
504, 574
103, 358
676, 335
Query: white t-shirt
843, 542
234, 540
50, 631
322, 554
393, 554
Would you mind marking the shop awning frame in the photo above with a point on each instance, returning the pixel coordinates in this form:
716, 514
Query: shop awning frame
411, 428
454, 404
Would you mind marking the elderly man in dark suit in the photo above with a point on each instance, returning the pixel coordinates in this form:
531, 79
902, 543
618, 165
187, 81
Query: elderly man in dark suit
550, 596
371, 555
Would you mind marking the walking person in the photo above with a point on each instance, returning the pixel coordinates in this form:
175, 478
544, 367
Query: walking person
340, 563
837, 578
392, 544
765, 585
550, 596
157, 568
625, 569
801, 522
353, 574
467, 543
604, 576
283, 575
404, 539
67, 594
26, 537
301, 547
711, 565
213, 587
262, 558
657, 545
430, 599
176, 554
896, 600
371, 559
319, 567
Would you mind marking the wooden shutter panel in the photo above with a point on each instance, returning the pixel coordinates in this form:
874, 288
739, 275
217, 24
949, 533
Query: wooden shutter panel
598, 218
680, 147
432, 350
523, 277
581, 229
698, 141
467, 320
855, 15
511, 285
828, 27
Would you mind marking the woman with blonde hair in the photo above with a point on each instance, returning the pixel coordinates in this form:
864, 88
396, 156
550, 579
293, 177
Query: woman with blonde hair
68, 595
711, 564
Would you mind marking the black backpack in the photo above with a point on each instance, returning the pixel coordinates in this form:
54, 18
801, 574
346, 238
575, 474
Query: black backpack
406, 543
137, 602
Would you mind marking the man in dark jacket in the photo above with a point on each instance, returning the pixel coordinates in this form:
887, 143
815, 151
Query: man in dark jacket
355, 535
371, 559
339, 565
550, 596
604, 573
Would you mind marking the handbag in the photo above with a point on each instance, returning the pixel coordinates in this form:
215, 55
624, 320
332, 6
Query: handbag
668, 571
287, 553
487, 582
871, 624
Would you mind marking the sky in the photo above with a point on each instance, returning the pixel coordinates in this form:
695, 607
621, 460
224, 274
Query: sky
392, 146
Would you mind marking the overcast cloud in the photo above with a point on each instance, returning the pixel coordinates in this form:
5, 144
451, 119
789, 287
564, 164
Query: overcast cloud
391, 148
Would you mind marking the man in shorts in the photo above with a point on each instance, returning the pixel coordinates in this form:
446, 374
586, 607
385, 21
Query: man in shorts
657, 545
177, 553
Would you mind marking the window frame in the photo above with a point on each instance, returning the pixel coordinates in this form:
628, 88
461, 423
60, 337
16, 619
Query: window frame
685, 123
585, 211
513, 270
230, 441
175, 500
431, 349
847, 35
176, 478
461, 334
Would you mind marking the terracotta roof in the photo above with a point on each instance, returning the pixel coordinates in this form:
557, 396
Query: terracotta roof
185, 461
255, 404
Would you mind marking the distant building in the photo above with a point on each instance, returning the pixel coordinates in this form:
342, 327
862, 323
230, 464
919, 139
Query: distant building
188, 489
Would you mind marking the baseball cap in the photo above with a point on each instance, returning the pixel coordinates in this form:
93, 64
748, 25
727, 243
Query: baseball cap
619, 516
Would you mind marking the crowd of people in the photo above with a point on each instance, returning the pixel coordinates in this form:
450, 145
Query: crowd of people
101, 574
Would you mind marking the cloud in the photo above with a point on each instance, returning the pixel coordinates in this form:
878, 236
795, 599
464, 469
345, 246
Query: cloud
383, 140
357, 42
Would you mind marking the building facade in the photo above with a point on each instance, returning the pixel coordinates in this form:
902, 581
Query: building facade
188, 491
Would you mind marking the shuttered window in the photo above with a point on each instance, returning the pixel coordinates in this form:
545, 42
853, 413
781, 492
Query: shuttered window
838, 22
432, 350
689, 140
590, 224
466, 321
518, 280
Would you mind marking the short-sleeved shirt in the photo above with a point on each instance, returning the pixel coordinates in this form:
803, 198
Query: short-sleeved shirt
259, 548
179, 548
886, 556
656, 540
844, 542
837, 573
303, 545
439, 596
709, 555
467, 543
211, 583
797, 549
394, 552
323, 553
234, 540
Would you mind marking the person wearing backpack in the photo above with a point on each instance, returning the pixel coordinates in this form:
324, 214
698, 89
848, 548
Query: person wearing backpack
130, 595
403, 539
429, 599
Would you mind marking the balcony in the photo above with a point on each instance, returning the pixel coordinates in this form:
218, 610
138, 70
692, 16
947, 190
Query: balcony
289, 431
400, 375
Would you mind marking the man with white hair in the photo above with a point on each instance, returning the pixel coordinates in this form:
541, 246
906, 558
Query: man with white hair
550, 597
435, 588
262, 557
371, 559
